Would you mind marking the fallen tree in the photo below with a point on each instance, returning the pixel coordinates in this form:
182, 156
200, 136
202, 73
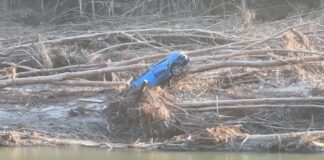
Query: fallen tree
297, 100
116, 68
287, 142
256, 64
65, 76
230, 72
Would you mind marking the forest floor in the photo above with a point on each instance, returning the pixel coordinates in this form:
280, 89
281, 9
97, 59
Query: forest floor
252, 87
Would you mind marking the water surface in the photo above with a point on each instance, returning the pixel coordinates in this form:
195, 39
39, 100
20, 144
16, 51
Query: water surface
100, 154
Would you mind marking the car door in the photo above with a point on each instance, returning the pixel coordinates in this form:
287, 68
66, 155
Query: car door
160, 71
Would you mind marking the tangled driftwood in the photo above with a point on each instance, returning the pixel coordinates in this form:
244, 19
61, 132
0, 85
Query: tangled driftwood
204, 109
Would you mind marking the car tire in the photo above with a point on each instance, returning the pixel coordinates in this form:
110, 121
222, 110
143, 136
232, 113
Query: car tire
176, 69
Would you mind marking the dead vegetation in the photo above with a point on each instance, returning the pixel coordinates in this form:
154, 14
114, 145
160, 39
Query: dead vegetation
258, 89
11, 138
220, 134
248, 17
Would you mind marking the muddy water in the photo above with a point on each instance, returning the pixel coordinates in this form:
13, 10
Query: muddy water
94, 154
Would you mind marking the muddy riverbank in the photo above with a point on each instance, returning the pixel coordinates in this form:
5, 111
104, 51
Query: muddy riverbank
248, 87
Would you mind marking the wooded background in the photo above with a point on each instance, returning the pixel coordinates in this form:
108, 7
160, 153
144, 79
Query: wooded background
61, 11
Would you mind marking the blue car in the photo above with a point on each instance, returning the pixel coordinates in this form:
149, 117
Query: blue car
162, 71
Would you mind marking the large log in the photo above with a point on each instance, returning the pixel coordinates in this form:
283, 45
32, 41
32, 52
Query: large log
205, 109
104, 35
251, 101
65, 76
294, 141
255, 64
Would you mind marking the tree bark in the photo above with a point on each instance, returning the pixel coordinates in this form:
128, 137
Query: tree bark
65, 76
251, 101
255, 64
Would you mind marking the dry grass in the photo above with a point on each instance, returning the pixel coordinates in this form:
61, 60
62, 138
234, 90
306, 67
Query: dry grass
45, 59
247, 17
295, 39
192, 83
219, 134
10, 139
223, 133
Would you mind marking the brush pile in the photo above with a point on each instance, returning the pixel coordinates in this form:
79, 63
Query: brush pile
249, 86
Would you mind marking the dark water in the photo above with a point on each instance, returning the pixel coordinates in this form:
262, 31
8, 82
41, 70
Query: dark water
94, 154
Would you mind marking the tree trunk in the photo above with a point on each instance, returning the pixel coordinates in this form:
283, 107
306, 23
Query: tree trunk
93, 9
4, 4
243, 5
80, 7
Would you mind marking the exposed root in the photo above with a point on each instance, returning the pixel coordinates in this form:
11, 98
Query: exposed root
152, 105
142, 113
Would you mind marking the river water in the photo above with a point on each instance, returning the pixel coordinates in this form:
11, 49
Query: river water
100, 154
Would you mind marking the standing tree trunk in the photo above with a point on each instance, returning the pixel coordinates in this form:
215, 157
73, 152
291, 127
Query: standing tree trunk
93, 9
42, 5
80, 7
243, 5
322, 7
111, 8
4, 4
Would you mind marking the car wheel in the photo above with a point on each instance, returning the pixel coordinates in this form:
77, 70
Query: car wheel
176, 69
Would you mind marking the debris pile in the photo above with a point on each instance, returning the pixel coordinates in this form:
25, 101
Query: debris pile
260, 88
141, 112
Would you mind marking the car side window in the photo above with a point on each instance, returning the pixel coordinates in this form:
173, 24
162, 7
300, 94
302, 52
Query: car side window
160, 70
161, 61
